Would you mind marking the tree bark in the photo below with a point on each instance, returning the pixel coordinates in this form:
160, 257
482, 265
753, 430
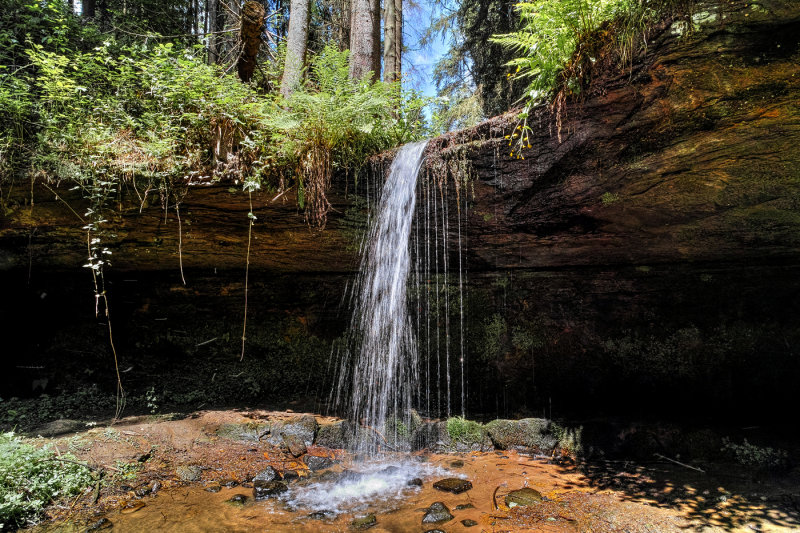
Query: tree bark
398, 37
364, 50
389, 35
296, 43
375, 11
250, 36
88, 8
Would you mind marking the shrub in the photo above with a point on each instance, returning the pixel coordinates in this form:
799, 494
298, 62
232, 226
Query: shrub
31, 477
761, 457
462, 430
562, 42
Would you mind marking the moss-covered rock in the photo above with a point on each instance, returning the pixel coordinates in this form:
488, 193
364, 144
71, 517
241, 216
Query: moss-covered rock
529, 433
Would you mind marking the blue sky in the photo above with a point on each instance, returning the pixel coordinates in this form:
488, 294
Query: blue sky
418, 62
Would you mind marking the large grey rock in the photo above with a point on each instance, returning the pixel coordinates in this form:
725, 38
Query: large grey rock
529, 433
304, 428
248, 431
62, 426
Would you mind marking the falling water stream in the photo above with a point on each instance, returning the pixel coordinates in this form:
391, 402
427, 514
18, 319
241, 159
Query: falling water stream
401, 351
380, 370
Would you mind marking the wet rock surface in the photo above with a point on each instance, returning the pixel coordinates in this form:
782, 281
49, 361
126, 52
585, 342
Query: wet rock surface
467, 522
266, 475
523, 497
365, 522
100, 525
300, 430
437, 513
269, 489
294, 445
453, 484
316, 462
237, 500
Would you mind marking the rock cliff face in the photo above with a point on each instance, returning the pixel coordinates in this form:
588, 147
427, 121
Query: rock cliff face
648, 258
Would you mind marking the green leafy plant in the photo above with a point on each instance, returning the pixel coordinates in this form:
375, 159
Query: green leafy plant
463, 430
32, 477
761, 457
562, 43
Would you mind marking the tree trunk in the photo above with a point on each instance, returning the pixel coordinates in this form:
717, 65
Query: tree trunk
364, 54
375, 10
389, 35
88, 8
250, 36
299, 17
398, 38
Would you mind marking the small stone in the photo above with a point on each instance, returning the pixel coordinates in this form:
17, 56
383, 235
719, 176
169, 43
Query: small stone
437, 512
416, 482
189, 473
267, 489
321, 515
453, 484
237, 500
458, 463
103, 523
315, 462
131, 507
523, 497
229, 483
213, 487
155, 488
363, 523
141, 492
434, 531
469, 523
462, 506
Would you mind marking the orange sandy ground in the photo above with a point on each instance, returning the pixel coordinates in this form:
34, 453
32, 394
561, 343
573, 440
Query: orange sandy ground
599, 497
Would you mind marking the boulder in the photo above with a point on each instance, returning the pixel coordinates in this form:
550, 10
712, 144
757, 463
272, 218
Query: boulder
529, 433
300, 429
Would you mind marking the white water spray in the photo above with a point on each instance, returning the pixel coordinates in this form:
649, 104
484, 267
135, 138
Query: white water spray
379, 372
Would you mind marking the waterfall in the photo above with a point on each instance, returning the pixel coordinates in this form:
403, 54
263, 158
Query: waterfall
379, 371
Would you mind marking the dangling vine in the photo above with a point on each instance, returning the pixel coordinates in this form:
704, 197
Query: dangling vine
99, 190
249, 186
